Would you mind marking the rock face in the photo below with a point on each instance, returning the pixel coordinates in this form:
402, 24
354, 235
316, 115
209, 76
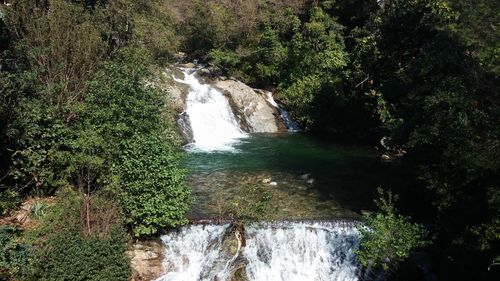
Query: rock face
177, 92
185, 126
146, 260
254, 111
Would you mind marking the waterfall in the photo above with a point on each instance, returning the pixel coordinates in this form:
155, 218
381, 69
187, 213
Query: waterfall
213, 123
291, 125
193, 253
302, 251
287, 251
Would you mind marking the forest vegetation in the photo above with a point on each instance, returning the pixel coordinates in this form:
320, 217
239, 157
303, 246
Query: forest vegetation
82, 120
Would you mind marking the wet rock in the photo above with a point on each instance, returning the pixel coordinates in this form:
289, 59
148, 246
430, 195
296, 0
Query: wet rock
385, 157
204, 72
366, 212
305, 176
273, 183
239, 272
251, 107
185, 127
146, 260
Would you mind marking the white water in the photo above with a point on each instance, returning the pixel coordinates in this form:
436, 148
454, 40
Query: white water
212, 120
291, 125
193, 253
302, 252
285, 251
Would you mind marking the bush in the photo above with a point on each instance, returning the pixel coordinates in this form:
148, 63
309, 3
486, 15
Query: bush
14, 255
387, 238
141, 148
153, 195
64, 250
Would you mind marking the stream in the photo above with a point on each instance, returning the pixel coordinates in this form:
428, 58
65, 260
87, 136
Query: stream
305, 195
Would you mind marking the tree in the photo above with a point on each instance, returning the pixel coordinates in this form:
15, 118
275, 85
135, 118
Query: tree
312, 82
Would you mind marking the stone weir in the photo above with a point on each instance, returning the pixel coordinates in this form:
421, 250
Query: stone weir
281, 250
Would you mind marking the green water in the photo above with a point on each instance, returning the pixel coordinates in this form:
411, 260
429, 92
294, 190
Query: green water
306, 178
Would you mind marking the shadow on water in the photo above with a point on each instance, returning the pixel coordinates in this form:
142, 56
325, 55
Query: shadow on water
312, 178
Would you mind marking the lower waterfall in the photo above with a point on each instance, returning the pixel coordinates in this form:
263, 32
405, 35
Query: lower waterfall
287, 251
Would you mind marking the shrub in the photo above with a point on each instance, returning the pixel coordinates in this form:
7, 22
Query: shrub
141, 147
63, 250
153, 195
388, 237
13, 254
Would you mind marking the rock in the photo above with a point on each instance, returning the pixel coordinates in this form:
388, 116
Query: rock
266, 180
305, 176
180, 56
310, 181
385, 157
185, 127
366, 212
177, 97
253, 110
146, 259
188, 65
22, 217
204, 72
273, 183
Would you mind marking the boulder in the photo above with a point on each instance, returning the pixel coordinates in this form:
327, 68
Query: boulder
188, 65
177, 97
146, 259
180, 56
204, 72
253, 110
185, 127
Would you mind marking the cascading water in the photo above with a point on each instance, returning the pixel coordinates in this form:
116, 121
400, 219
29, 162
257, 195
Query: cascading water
282, 251
302, 251
193, 253
291, 125
212, 120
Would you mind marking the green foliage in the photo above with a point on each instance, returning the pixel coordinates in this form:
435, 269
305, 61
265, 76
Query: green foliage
153, 195
9, 199
14, 255
61, 43
271, 56
388, 238
63, 251
313, 79
71, 256
140, 148
224, 59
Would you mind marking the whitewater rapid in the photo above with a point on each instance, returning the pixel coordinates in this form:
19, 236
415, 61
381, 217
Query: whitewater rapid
280, 251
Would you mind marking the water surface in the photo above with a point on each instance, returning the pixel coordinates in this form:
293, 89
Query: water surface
306, 177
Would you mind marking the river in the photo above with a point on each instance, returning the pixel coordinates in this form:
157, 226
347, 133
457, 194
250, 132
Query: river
300, 198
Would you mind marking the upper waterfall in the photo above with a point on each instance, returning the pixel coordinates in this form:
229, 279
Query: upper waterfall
212, 120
